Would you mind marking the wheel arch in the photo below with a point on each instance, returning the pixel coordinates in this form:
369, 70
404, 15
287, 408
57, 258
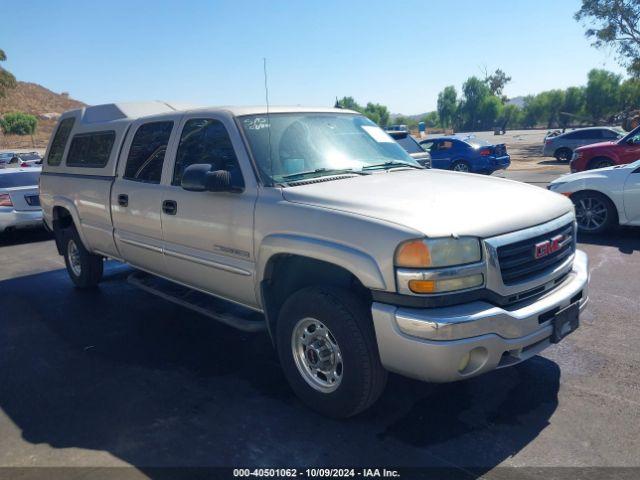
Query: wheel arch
64, 214
287, 263
594, 160
607, 197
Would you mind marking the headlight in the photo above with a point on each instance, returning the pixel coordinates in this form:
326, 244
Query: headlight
438, 252
439, 265
553, 186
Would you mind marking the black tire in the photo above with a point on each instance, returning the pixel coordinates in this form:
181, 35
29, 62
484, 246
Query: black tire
461, 166
563, 154
596, 202
348, 320
86, 269
600, 162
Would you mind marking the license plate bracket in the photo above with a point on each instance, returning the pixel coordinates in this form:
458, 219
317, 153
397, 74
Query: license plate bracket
565, 322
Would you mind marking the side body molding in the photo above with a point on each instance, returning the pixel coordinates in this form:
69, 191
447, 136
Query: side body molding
362, 265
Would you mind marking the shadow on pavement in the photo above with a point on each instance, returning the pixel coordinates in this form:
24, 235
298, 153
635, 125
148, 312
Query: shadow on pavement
117, 370
625, 239
20, 237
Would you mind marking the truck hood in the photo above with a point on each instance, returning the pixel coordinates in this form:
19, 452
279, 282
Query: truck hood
437, 203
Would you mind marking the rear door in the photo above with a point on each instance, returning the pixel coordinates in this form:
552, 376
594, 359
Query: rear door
209, 235
136, 196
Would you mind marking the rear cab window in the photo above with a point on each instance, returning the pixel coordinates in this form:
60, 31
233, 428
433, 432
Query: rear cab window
147, 152
59, 142
91, 150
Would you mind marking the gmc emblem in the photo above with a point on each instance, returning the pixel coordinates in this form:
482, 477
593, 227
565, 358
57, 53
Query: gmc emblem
547, 247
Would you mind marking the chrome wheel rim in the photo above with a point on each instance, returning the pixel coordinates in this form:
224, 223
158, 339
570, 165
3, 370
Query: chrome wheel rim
460, 167
74, 258
591, 213
317, 355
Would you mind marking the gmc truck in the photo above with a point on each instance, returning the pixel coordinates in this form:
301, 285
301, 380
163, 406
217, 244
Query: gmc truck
314, 225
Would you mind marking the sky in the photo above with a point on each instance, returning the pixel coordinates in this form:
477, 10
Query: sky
398, 53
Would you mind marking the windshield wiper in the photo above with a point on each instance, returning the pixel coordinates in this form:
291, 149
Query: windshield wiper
392, 164
323, 171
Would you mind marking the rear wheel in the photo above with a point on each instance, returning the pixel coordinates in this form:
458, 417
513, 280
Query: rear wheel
563, 154
460, 166
84, 268
328, 351
595, 213
601, 162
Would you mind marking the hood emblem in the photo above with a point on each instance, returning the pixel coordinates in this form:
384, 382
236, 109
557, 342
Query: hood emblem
547, 247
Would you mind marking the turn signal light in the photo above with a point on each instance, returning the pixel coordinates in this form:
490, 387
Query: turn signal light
5, 200
422, 286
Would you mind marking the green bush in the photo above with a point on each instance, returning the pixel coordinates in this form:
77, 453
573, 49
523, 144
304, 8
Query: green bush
18, 124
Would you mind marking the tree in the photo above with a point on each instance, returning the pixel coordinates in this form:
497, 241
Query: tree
431, 119
447, 106
474, 91
496, 82
614, 23
349, 103
573, 106
7, 80
17, 123
377, 113
602, 94
489, 110
630, 94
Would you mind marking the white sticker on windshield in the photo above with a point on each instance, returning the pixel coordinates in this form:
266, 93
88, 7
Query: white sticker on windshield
377, 134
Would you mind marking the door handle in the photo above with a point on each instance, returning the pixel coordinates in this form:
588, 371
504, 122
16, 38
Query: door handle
170, 207
123, 200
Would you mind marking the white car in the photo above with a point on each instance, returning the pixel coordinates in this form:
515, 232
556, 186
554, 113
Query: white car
604, 197
19, 200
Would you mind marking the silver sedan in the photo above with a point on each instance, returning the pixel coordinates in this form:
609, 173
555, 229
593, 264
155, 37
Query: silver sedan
19, 200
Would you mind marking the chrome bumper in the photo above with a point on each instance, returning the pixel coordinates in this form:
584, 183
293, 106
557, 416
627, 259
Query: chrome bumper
10, 218
430, 344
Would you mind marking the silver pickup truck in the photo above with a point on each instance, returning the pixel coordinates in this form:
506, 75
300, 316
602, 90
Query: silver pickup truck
313, 224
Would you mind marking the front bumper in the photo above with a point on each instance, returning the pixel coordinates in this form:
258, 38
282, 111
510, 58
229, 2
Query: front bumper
430, 344
10, 218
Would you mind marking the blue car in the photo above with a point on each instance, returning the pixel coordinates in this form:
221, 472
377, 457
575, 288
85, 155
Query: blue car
466, 154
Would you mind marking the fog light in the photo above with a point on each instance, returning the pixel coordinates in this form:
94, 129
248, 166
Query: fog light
464, 361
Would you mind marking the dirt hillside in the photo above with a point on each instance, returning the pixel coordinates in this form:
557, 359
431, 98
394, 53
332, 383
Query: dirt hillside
39, 101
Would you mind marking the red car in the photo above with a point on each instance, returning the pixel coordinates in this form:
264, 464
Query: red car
606, 154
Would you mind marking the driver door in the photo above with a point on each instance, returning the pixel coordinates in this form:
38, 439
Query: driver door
208, 236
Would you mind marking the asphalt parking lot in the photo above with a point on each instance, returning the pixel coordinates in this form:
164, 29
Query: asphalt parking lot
117, 377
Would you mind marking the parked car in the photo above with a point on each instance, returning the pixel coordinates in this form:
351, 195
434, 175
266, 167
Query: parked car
19, 201
604, 197
606, 154
314, 225
8, 158
396, 128
562, 146
30, 159
466, 154
411, 146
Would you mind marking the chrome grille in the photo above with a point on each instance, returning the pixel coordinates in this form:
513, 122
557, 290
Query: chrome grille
518, 262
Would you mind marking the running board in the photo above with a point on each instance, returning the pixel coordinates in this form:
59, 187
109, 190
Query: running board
223, 311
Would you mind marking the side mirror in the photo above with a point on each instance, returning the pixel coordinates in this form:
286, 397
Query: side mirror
199, 178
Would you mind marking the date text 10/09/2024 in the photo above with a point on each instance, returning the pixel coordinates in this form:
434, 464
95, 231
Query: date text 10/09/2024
316, 473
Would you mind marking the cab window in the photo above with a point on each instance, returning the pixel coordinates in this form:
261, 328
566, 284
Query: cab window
60, 141
91, 150
205, 140
147, 152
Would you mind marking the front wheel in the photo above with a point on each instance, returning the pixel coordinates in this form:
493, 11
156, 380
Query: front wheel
84, 268
600, 163
595, 213
328, 351
563, 154
461, 166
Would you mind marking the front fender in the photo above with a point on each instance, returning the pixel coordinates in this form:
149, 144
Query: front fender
359, 263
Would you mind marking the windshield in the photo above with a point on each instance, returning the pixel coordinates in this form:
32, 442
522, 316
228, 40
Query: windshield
410, 145
290, 146
632, 137
477, 142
